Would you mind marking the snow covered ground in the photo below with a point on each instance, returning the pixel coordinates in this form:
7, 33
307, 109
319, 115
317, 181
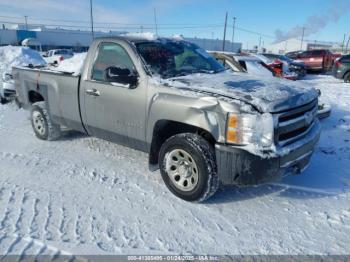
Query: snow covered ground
82, 195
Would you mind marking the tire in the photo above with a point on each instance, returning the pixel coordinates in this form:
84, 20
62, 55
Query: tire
190, 158
42, 125
3, 101
347, 77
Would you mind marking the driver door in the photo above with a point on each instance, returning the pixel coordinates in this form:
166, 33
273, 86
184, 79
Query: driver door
114, 111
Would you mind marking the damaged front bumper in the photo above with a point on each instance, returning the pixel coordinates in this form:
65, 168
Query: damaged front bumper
237, 166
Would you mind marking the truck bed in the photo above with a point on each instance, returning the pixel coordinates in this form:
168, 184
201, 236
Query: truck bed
60, 90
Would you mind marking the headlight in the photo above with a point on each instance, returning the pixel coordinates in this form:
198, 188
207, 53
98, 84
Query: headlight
245, 129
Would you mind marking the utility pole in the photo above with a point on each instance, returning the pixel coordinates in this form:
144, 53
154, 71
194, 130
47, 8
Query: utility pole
155, 21
92, 21
302, 39
223, 44
343, 45
233, 33
141, 27
259, 43
26, 21
285, 48
212, 41
347, 46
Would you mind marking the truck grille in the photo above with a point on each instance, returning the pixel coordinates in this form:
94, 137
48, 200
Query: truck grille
294, 124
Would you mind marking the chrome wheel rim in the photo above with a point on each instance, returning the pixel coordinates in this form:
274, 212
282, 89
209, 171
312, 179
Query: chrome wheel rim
182, 169
39, 123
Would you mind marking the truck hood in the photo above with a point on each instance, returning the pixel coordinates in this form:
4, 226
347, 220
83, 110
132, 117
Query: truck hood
266, 94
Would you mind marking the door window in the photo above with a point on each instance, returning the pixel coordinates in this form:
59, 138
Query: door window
110, 54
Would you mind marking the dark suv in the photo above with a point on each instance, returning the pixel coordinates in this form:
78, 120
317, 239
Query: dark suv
341, 68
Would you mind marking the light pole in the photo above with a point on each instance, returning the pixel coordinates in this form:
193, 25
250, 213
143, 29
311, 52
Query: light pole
155, 20
302, 39
92, 21
343, 45
223, 43
347, 46
26, 21
259, 43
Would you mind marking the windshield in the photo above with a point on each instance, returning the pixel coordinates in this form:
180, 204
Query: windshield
170, 59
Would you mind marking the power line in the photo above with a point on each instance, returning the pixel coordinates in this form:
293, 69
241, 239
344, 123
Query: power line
129, 26
109, 23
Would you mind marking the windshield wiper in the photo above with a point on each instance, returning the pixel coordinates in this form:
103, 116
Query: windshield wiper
204, 71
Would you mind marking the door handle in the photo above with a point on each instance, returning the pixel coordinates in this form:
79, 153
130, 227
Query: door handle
93, 92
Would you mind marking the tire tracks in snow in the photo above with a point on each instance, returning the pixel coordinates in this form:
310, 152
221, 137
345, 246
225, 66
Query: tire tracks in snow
42, 216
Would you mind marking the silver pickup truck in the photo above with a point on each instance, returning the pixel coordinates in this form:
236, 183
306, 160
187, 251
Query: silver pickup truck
201, 125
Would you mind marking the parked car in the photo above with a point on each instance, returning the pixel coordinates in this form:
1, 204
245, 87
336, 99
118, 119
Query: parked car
254, 66
229, 61
15, 56
293, 55
200, 124
294, 66
341, 68
280, 68
58, 55
320, 60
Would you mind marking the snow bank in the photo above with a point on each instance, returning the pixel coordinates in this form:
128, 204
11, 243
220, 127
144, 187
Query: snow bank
146, 35
11, 56
73, 65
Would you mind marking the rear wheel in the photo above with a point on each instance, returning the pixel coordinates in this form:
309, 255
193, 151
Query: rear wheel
347, 77
2, 100
42, 125
188, 167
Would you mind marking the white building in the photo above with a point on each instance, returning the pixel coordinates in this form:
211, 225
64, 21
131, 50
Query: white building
294, 44
290, 45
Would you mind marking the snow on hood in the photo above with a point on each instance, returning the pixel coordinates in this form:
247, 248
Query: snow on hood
265, 93
11, 56
72, 65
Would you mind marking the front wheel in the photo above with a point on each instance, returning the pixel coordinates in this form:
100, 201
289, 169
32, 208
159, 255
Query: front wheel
42, 125
188, 167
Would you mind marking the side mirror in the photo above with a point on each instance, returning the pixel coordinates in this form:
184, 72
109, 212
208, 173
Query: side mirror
122, 76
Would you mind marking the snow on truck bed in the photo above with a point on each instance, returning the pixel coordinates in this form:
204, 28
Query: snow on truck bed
83, 195
72, 65
11, 56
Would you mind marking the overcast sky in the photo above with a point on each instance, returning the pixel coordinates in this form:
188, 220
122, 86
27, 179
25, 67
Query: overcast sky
326, 20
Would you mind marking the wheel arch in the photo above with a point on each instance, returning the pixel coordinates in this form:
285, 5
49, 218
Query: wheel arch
164, 129
346, 73
34, 97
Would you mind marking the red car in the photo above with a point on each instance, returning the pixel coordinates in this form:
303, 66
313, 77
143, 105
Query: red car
321, 60
277, 66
